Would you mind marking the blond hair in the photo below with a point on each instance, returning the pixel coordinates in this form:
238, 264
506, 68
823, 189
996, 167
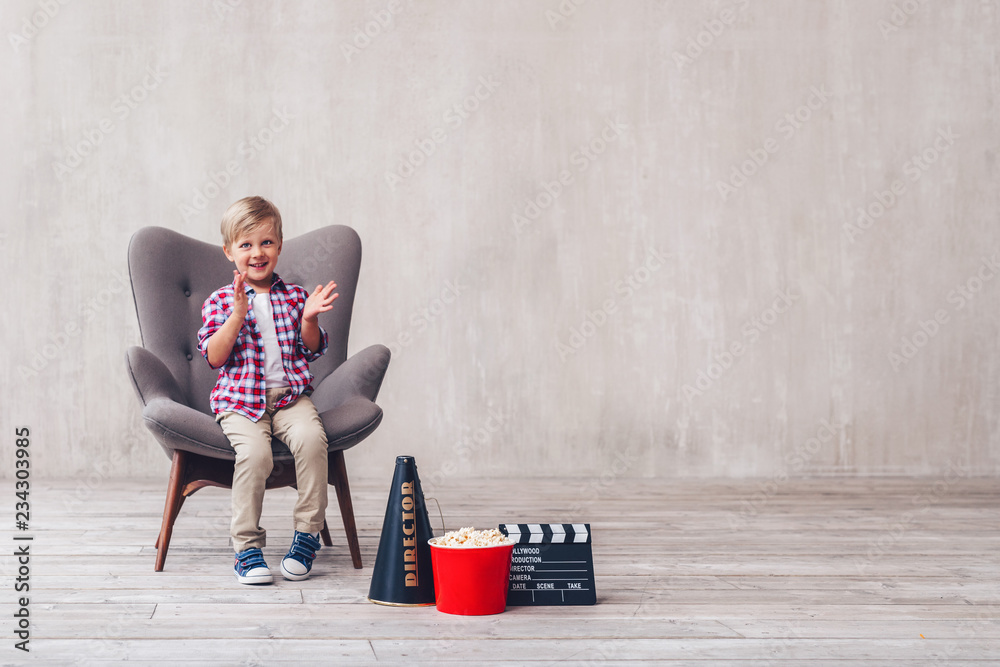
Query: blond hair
246, 215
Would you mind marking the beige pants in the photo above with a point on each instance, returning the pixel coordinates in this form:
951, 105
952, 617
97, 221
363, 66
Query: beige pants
298, 426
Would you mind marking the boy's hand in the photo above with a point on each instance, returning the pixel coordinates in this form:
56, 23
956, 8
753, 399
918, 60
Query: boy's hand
319, 301
220, 344
240, 302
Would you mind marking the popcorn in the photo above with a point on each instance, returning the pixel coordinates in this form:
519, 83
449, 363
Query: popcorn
469, 537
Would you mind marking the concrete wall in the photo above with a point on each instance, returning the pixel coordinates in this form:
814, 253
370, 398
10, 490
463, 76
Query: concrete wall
638, 245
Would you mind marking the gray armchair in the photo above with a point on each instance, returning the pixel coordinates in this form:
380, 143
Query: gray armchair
171, 276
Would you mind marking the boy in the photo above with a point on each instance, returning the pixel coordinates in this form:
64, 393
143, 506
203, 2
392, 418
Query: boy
261, 333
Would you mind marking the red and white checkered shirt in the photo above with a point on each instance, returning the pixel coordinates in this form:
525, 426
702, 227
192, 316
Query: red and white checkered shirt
240, 387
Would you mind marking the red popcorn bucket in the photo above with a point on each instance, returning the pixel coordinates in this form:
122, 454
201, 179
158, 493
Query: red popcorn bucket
471, 581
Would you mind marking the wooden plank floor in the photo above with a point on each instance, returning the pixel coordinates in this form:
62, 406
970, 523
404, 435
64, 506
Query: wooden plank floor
842, 572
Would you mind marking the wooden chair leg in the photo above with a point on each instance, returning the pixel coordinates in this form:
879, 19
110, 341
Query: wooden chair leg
171, 508
339, 470
325, 534
180, 503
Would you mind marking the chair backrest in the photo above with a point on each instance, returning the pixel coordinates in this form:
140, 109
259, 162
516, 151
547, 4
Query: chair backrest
172, 275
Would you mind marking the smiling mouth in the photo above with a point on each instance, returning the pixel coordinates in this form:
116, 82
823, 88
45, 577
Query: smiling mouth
259, 265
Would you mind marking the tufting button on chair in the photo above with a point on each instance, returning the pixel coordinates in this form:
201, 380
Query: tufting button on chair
172, 275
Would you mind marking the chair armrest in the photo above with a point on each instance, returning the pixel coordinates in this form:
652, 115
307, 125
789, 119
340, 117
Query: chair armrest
361, 375
176, 426
151, 378
350, 422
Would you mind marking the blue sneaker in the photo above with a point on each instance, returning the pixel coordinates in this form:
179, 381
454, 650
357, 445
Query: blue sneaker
298, 561
251, 568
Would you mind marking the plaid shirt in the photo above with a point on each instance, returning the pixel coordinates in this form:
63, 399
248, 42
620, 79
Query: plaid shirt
240, 387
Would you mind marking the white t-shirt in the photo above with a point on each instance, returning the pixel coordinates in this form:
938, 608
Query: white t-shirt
274, 372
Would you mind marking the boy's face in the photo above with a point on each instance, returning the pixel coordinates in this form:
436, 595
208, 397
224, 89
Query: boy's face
256, 255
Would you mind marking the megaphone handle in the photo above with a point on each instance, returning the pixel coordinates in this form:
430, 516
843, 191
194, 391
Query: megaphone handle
443, 529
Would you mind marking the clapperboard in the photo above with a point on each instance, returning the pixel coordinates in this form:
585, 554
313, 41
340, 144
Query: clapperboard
552, 564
